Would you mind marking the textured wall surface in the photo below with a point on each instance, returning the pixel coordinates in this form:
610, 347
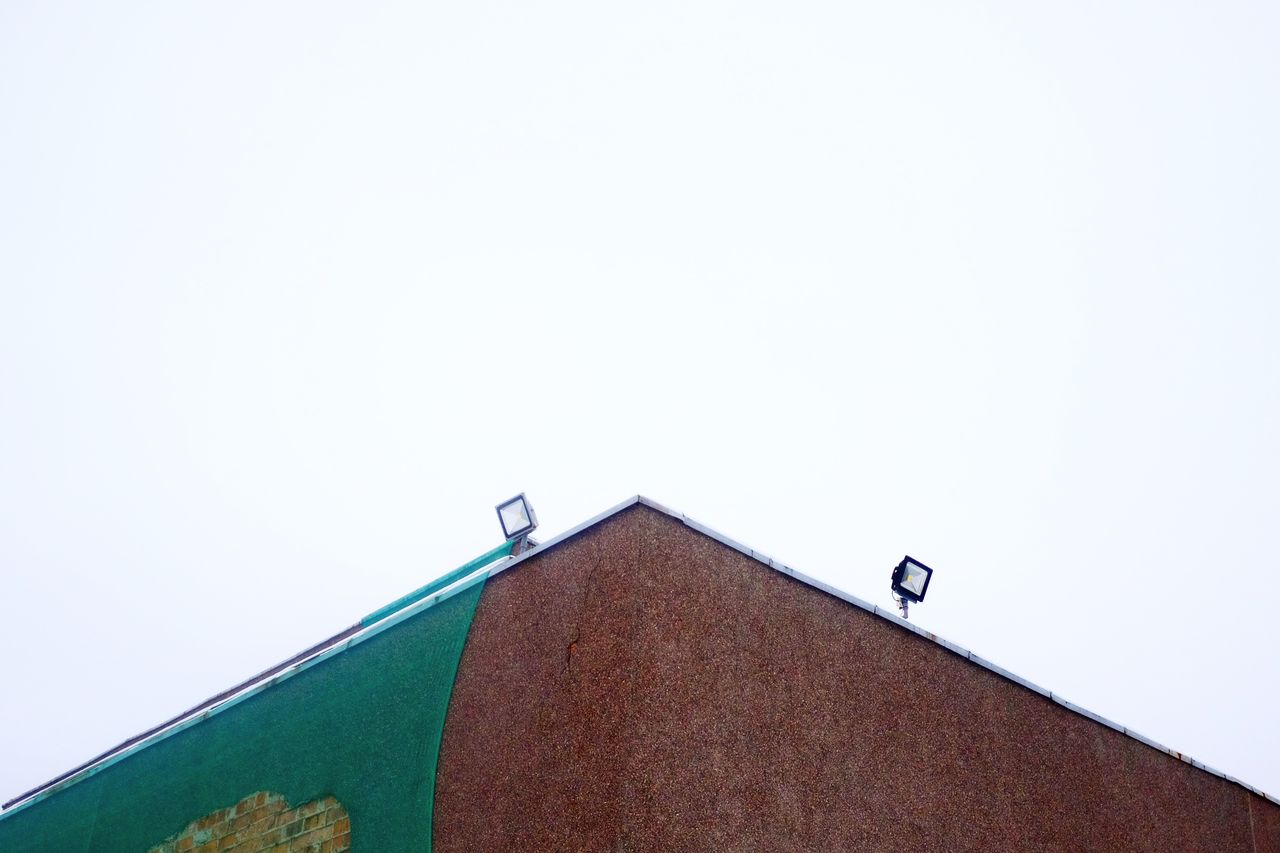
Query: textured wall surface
643, 687
362, 726
264, 823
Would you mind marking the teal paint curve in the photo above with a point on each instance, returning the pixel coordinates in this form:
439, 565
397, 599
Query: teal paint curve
361, 722
438, 584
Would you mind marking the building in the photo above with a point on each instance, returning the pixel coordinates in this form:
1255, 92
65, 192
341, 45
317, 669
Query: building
640, 683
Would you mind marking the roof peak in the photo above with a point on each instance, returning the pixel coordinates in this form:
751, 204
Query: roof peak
500, 560
954, 648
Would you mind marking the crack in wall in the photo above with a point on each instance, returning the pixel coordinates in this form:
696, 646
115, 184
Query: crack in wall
588, 584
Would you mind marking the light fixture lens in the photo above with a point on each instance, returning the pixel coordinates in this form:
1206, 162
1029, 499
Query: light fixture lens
516, 517
913, 579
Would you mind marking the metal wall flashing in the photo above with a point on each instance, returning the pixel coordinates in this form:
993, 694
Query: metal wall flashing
1206, 768
1144, 739
1085, 712
1011, 676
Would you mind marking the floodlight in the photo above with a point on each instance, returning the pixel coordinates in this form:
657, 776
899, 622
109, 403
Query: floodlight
910, 581
517, 517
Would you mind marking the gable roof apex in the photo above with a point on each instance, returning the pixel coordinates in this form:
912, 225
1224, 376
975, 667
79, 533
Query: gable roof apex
875, 610
500, 560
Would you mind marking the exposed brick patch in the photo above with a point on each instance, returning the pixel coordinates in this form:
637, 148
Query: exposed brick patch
264, 823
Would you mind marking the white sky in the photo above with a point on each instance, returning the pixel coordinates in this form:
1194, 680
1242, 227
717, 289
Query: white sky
291, 294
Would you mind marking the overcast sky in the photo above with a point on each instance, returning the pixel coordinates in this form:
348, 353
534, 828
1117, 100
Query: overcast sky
292, 293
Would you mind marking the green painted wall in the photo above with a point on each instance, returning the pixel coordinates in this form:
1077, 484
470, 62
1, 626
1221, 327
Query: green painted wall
363, 726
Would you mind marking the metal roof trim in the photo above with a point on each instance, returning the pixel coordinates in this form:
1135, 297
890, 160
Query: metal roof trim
1085, 712
1206, 768
953, 647
719, 537
1011, 676
1144, 739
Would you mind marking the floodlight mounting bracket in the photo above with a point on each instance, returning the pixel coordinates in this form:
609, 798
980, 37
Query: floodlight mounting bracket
523, 543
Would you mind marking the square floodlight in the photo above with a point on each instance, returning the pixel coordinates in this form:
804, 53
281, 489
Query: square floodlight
911, 579
517, 517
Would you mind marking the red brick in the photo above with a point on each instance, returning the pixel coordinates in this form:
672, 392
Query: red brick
270, 826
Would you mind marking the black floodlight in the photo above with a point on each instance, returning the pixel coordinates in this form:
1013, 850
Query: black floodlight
517, 517
911, 579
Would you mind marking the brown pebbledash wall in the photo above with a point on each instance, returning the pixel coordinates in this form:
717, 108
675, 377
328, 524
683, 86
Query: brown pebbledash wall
642, 687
